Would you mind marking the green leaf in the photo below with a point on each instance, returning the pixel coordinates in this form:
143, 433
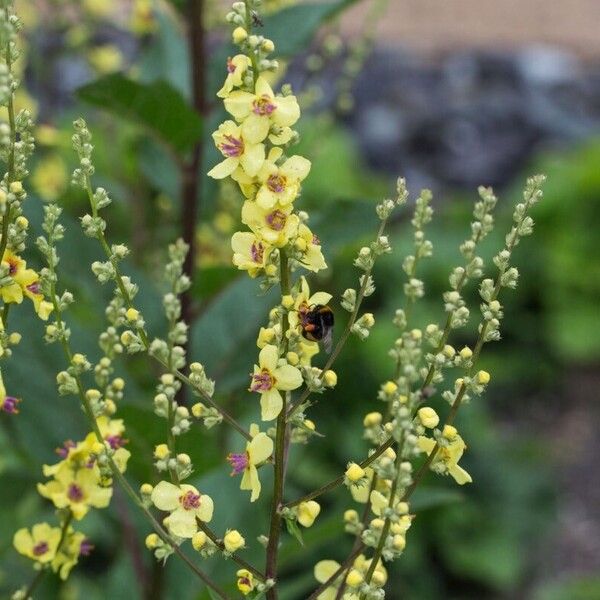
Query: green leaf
159, 107
294, 530
292, 28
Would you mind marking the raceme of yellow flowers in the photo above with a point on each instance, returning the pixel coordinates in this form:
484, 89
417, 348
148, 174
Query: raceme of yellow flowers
408, 438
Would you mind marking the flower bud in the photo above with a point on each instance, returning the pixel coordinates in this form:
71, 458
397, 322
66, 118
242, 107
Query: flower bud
268, 46
483, 377
428, 417
233, 540
161, 451
372, 419
239, 35
198, 410
199, 540
152, 541
146, 489
466, 353
308, 512
449, 432
351, 516
330, 378
354, 578
355, 472
132, 314
389, 387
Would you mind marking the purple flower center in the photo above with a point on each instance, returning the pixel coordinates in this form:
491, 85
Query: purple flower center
34, 288
63, 451
238, 462
230, 65
257, 251
316, 241
276, 183
85, 548
263, 106
74, 493
13, 266
10, 405
115, 441
276, 220
232, 146
190, 500
262, 382
40, 548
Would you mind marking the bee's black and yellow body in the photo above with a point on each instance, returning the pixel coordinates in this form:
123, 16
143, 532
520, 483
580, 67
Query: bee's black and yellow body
317, 324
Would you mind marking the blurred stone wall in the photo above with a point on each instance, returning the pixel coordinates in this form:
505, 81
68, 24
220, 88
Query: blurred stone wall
438, 25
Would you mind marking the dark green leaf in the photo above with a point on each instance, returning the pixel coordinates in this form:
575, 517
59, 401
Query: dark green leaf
294, 530
157, 106
292, 28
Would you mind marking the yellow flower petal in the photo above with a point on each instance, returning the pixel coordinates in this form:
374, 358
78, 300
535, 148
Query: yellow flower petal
165, 496
224, 168
271, 404
260, 448
268, 356
288, 377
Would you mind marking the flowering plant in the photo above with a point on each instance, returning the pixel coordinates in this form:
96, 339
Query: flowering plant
277, 247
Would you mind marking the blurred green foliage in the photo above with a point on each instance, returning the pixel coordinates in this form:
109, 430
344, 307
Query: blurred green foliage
477, 542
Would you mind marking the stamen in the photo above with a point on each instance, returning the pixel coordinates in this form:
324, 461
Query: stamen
262, 382
40, 548
190, 500
276, 183
276, 220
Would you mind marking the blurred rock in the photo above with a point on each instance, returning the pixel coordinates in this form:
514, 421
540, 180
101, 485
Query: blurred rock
473, 116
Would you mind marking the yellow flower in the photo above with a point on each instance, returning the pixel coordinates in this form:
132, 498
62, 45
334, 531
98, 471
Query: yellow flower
270, 376
308, 512
106, 58
99, 8
50, 178
310, 246
8, 404
245, 581
323, 571
258, 111
242, 157
236, 69
185, 503
275, 225
40, 544
304, 301
250, 253
142, 17
446, 458
77, 489
233, 540
25, 283
258, 451
74, 546
280, 184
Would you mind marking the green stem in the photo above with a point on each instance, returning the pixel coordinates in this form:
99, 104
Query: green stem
280, 449
219, 544
387, 524
13, 141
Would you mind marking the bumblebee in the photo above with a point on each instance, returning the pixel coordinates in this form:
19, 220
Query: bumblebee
317, 324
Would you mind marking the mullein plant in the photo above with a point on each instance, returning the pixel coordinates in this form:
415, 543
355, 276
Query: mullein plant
277, 248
